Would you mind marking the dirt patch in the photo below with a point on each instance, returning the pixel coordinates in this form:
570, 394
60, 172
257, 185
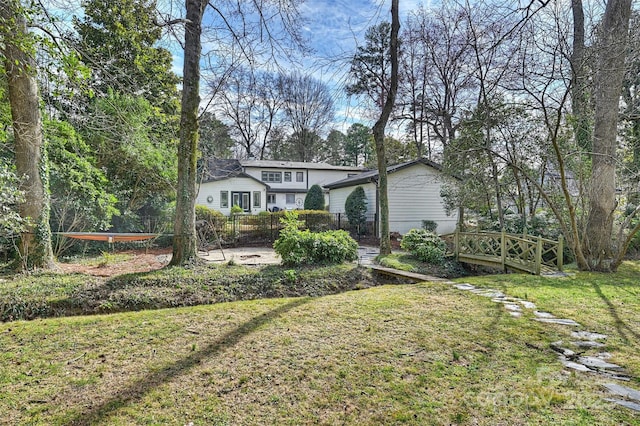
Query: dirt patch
132, 261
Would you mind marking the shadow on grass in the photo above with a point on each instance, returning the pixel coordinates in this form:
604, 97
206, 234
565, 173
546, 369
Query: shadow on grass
624, 330
99, 413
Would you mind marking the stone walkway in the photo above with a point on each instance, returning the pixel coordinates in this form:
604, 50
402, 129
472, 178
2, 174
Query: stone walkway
581, 340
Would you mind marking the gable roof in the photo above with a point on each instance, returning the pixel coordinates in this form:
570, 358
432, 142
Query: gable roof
372, 175
275, 164
221, 169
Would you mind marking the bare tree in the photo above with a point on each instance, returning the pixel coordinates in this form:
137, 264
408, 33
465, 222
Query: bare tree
437, 78
251, 101
31, 165
308, 108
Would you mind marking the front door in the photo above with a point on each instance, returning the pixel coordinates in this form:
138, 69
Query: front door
242, 199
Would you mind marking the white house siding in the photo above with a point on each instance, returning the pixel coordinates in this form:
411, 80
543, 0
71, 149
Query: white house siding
414, 196
310, 177
293, 185
338, 198
235, 184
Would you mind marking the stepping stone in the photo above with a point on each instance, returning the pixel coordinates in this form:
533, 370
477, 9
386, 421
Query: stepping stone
557, 346
594, 362
540, 314
515, 314
528, 305
488, 293
574, 365
464, 287
628, 404
587, 344
623, 391
587, 335
561, 321
512, 307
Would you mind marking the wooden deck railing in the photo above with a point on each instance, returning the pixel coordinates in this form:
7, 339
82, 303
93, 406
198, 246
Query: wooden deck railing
523, 253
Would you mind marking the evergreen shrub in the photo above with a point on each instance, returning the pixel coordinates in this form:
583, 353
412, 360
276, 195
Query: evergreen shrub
297, 247
425, 245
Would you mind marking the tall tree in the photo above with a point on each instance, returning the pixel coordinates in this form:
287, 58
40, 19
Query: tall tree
30, 156
308, 108
371, 66
334, 148
250, 101
184, 230
358, 145
437, 76
599, 247
118, 42
379, 130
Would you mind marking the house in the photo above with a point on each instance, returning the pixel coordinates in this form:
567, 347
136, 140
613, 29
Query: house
414, 195
259, 185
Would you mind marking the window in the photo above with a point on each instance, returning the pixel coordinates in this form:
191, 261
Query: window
257, 202
291, 198
272, 177
299, 177
271, 198
224, 199
287, 176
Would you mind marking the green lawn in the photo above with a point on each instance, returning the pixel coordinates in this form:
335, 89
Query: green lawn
603, 303
406, 354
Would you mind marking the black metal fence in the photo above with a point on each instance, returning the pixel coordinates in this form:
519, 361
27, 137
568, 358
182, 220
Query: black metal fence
265, 229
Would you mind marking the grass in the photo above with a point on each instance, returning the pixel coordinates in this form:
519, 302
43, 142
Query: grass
406, 262
420, 354
603, 303
409, 354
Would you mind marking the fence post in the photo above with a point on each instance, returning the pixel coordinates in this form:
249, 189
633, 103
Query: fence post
560, 254
538, 255
456, 243
503, 249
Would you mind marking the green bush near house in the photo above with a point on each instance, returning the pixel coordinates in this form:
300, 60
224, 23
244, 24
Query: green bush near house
425, 245
314, 199
430, 225
356, 208
298, 247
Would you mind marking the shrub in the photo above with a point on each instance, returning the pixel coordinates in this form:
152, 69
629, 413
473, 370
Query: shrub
208, 214
209, 220
429, 225
298, 247
314, 199
425, 245
236, 209
356, 208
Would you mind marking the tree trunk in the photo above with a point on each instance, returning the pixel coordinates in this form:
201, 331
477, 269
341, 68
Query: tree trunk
599, 248
184, 230
579, 92
378, 134
31, 165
